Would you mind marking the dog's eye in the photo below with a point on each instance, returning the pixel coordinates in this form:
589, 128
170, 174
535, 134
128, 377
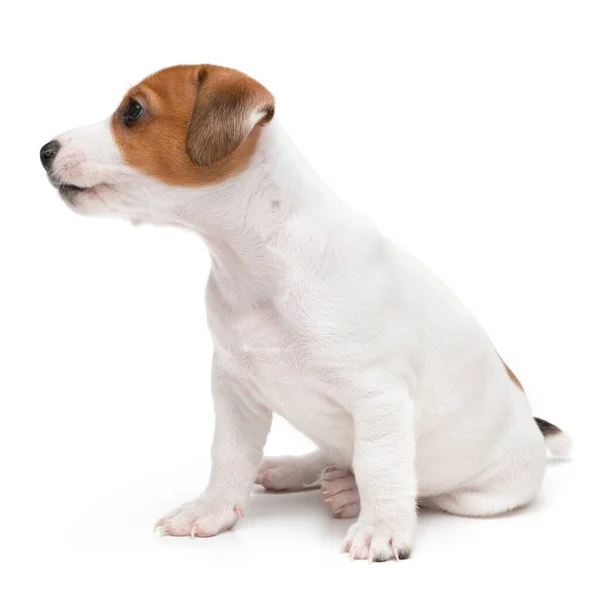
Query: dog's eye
132, 112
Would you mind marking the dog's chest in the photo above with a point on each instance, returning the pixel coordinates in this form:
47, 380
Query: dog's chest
279, 368
257, 346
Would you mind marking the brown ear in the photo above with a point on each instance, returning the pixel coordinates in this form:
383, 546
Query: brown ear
228, 106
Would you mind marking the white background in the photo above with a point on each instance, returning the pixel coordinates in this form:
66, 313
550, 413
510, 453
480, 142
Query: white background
468, 131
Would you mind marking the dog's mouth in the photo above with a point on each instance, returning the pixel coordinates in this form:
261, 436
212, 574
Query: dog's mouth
68, 191
69, 188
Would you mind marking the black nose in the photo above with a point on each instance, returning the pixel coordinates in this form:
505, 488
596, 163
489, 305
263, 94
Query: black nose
48, 152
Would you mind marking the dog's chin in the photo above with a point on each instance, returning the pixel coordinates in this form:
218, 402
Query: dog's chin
69, 193
102, 199
74, 194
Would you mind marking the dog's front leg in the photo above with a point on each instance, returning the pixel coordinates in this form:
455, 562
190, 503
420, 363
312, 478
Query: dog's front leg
384, 467
241, 428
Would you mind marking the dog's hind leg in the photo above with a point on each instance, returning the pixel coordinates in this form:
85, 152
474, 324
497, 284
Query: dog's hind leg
478, 503
512, 483
289, 473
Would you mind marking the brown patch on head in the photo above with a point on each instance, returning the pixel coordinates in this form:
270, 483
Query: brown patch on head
199, 125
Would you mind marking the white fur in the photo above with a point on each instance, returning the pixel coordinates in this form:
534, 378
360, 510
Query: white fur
559, 445
316, 317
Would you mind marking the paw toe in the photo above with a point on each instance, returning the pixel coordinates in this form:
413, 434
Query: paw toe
376, 543
341, 495
199, 520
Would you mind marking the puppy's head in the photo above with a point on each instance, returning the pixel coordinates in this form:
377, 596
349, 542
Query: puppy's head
185, 126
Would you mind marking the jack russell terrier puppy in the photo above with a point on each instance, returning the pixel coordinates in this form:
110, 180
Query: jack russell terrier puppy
314, 316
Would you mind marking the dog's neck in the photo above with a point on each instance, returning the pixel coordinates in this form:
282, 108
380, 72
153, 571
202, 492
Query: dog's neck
246, 219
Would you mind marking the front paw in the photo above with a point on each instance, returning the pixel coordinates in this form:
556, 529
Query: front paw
200, 518
379, 540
